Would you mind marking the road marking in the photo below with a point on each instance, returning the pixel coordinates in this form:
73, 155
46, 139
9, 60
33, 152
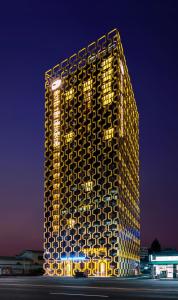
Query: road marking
85, 295
16, 289
93, 287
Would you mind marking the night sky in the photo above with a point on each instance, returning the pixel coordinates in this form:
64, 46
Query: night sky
36, 35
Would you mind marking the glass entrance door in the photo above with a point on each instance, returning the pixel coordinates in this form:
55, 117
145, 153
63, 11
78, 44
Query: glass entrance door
103, 269
67, 268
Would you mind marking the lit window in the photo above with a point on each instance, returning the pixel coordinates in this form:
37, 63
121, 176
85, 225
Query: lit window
56, 144
87, 96
108, 134
107, 75
107, 87
55, 185
55, 228
56, 84
56, 95
56, 114
87, 85
88, 186
69, 137
107, 99
71, 223
56, 196
70, 94
56, 165
85, 207
55, 156
55, 207
56, 100
107, 63
56, 131
56, 123
87, 92
56, 105
108, 95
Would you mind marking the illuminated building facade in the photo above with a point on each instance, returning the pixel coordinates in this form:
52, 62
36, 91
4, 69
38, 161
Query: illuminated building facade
92, 214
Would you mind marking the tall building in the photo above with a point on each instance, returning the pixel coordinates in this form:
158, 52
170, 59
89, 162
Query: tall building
92, 214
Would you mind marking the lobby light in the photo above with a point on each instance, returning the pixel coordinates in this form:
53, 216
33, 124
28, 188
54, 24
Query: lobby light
73, 258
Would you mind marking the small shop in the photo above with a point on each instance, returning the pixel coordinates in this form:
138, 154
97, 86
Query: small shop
164, 264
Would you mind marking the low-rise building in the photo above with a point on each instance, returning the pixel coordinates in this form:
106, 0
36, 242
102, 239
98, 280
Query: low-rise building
164, 264
26, 263
34, 255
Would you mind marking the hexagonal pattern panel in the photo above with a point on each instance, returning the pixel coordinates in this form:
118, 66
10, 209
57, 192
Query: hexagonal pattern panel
92, 214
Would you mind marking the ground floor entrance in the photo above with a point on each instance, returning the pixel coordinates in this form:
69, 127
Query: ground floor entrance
94, 268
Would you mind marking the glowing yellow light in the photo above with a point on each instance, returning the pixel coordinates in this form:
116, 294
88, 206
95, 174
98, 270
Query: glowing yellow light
87, 85
109, 133
70, 94
56, 84
69, 137
71, 223
107, 99
88, 186
107, 63
86, 116
122, 67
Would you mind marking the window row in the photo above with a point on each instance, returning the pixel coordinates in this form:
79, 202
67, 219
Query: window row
108, 135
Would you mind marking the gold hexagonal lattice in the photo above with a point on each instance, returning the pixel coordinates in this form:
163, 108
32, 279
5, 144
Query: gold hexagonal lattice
92, 215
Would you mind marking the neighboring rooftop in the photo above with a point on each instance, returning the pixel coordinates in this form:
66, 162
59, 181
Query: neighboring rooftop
171, 252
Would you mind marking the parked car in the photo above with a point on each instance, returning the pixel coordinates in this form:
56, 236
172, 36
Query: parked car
79, 274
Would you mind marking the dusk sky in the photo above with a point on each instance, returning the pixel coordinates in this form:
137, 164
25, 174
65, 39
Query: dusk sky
36, 35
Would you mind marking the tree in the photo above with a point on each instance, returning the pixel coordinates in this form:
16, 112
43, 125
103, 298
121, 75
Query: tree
155, 246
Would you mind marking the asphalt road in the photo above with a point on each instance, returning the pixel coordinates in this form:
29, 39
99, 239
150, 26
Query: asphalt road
43, 288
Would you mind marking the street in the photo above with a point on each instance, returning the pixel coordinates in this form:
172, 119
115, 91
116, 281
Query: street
44, 288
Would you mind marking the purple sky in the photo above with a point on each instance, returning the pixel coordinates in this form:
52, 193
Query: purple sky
34, 36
